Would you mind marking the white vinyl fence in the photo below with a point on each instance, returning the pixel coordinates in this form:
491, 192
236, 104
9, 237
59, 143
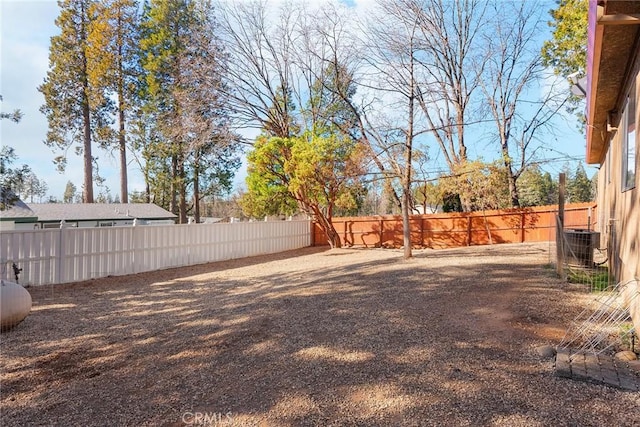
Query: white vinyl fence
76, 254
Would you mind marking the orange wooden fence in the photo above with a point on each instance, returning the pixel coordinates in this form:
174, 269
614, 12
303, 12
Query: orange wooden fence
536, 224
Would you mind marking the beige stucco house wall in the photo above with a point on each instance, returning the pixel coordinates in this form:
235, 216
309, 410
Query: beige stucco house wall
613, 136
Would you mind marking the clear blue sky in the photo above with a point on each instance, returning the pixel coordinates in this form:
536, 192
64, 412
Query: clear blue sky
26, 29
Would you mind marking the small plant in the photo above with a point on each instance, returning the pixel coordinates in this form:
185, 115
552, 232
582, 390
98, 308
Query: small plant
627, 336
597, 279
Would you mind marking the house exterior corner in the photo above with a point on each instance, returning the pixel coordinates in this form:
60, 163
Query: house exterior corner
613, 140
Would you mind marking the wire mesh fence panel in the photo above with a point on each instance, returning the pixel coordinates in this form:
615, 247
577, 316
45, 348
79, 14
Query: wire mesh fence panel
581, 258
604, 326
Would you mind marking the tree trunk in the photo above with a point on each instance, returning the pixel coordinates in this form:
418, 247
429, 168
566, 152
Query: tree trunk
182, 188
406, 178
196, 191
406, 186
465, 198
327, 226
124, 192
406, 226
86, 118
333, 237
147, 191
87, 158
173, 191
513, 188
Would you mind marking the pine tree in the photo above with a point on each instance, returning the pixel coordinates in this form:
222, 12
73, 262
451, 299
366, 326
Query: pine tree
10, 178
579, 187
69, 193
329, 105
186, 113
76, 108
31, 188
15, 116
164, 33
537, 188
113, 65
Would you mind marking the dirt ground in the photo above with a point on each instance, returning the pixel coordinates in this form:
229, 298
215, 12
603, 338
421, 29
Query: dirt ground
314, 337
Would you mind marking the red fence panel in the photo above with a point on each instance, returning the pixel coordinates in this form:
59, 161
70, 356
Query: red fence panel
447, 230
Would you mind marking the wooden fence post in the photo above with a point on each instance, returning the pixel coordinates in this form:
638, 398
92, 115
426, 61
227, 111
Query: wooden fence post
560, 226
313, 232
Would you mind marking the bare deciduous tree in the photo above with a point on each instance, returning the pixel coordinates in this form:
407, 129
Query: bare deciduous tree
513, 85
393, 55
260, 70
451, 60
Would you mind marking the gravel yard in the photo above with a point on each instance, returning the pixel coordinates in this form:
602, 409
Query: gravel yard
316, 337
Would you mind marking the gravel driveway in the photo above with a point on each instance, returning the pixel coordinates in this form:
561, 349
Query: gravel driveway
316, 337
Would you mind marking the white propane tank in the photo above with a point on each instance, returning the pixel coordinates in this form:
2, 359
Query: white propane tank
15, 304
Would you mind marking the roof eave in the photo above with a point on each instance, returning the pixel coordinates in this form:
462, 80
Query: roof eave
595, 137
612, 41
20, 219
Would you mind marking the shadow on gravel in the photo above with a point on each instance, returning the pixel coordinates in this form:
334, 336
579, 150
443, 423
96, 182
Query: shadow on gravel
385, 342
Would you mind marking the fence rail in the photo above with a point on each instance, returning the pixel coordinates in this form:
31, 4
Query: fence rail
75, 254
